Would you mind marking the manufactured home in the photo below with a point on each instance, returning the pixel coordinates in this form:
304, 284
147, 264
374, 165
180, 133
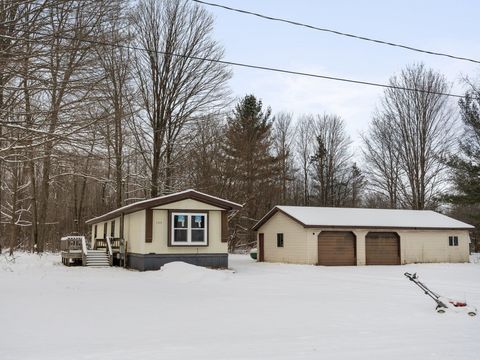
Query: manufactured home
187, 226
342, 236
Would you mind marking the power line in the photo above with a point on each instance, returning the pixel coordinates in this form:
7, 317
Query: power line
239, 64
336, 32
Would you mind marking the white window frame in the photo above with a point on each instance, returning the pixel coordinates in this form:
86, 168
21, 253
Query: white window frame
189, 241
454, 239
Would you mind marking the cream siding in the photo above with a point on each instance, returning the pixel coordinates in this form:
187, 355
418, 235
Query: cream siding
134, 229
92, 238
361, 249
159, 244
188, 204
297, 248
93, 232
432, 246
100, 229
117, 227
422, 246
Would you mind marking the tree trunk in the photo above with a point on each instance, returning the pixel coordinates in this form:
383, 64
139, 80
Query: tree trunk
13, 225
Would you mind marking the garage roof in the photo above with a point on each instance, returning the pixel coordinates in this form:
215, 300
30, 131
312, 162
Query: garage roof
309, 216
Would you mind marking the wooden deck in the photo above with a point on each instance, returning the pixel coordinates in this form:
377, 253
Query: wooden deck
75, 250
72, 250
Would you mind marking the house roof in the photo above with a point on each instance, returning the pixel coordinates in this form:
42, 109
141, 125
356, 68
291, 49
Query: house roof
167, 199
313, 217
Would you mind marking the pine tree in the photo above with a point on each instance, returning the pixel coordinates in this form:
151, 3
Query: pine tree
251, 168
466, 166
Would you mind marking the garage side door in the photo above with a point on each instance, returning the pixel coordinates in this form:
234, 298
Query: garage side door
382, 248
336, 248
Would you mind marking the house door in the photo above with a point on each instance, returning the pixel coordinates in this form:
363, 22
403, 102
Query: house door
261, 256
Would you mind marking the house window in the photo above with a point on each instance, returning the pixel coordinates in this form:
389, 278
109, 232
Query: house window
189, 229
279, 240
95, 232
112, 229
453, 240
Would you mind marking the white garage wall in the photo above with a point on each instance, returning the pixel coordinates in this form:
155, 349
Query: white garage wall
432, 246
301, 245
297, 247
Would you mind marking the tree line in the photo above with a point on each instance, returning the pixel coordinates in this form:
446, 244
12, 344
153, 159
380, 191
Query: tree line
104, 103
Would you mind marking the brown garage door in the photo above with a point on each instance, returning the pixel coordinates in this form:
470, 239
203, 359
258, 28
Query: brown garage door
336, 248
382, 248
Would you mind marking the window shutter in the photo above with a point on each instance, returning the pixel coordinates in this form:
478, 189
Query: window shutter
148, 225
104, 230
95, 232
225, 234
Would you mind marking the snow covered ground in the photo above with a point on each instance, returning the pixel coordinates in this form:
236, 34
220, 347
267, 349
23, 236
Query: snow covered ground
254, 311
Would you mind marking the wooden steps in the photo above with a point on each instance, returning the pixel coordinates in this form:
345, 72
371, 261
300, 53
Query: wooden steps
98, 258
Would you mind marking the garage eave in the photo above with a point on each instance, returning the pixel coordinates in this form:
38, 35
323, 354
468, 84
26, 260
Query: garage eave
351, 227
272, 212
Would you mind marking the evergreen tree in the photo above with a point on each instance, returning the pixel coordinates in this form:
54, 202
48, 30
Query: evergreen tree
466, 166
357, 180
251, 168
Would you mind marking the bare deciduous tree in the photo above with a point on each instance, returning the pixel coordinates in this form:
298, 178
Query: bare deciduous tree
204, 167
414, 131
331, 160
71, 75
380, 152
283, 135
175, 80
305, 148
19, 20
118, 92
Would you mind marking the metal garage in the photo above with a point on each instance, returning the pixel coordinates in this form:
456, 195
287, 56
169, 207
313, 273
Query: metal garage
337, 248
382, 248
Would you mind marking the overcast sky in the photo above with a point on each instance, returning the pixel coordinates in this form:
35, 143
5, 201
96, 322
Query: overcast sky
445, 26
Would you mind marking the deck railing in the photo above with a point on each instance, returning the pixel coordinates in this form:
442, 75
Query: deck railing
84, 251
114, 247
109, 251
102, 243
69, 243
116, 243
73, 247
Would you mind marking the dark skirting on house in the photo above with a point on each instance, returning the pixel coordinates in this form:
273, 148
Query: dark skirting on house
144, 262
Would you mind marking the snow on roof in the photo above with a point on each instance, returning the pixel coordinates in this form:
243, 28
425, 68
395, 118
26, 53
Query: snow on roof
367, 218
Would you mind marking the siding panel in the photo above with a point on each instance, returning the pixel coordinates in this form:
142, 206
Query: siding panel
297, 247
